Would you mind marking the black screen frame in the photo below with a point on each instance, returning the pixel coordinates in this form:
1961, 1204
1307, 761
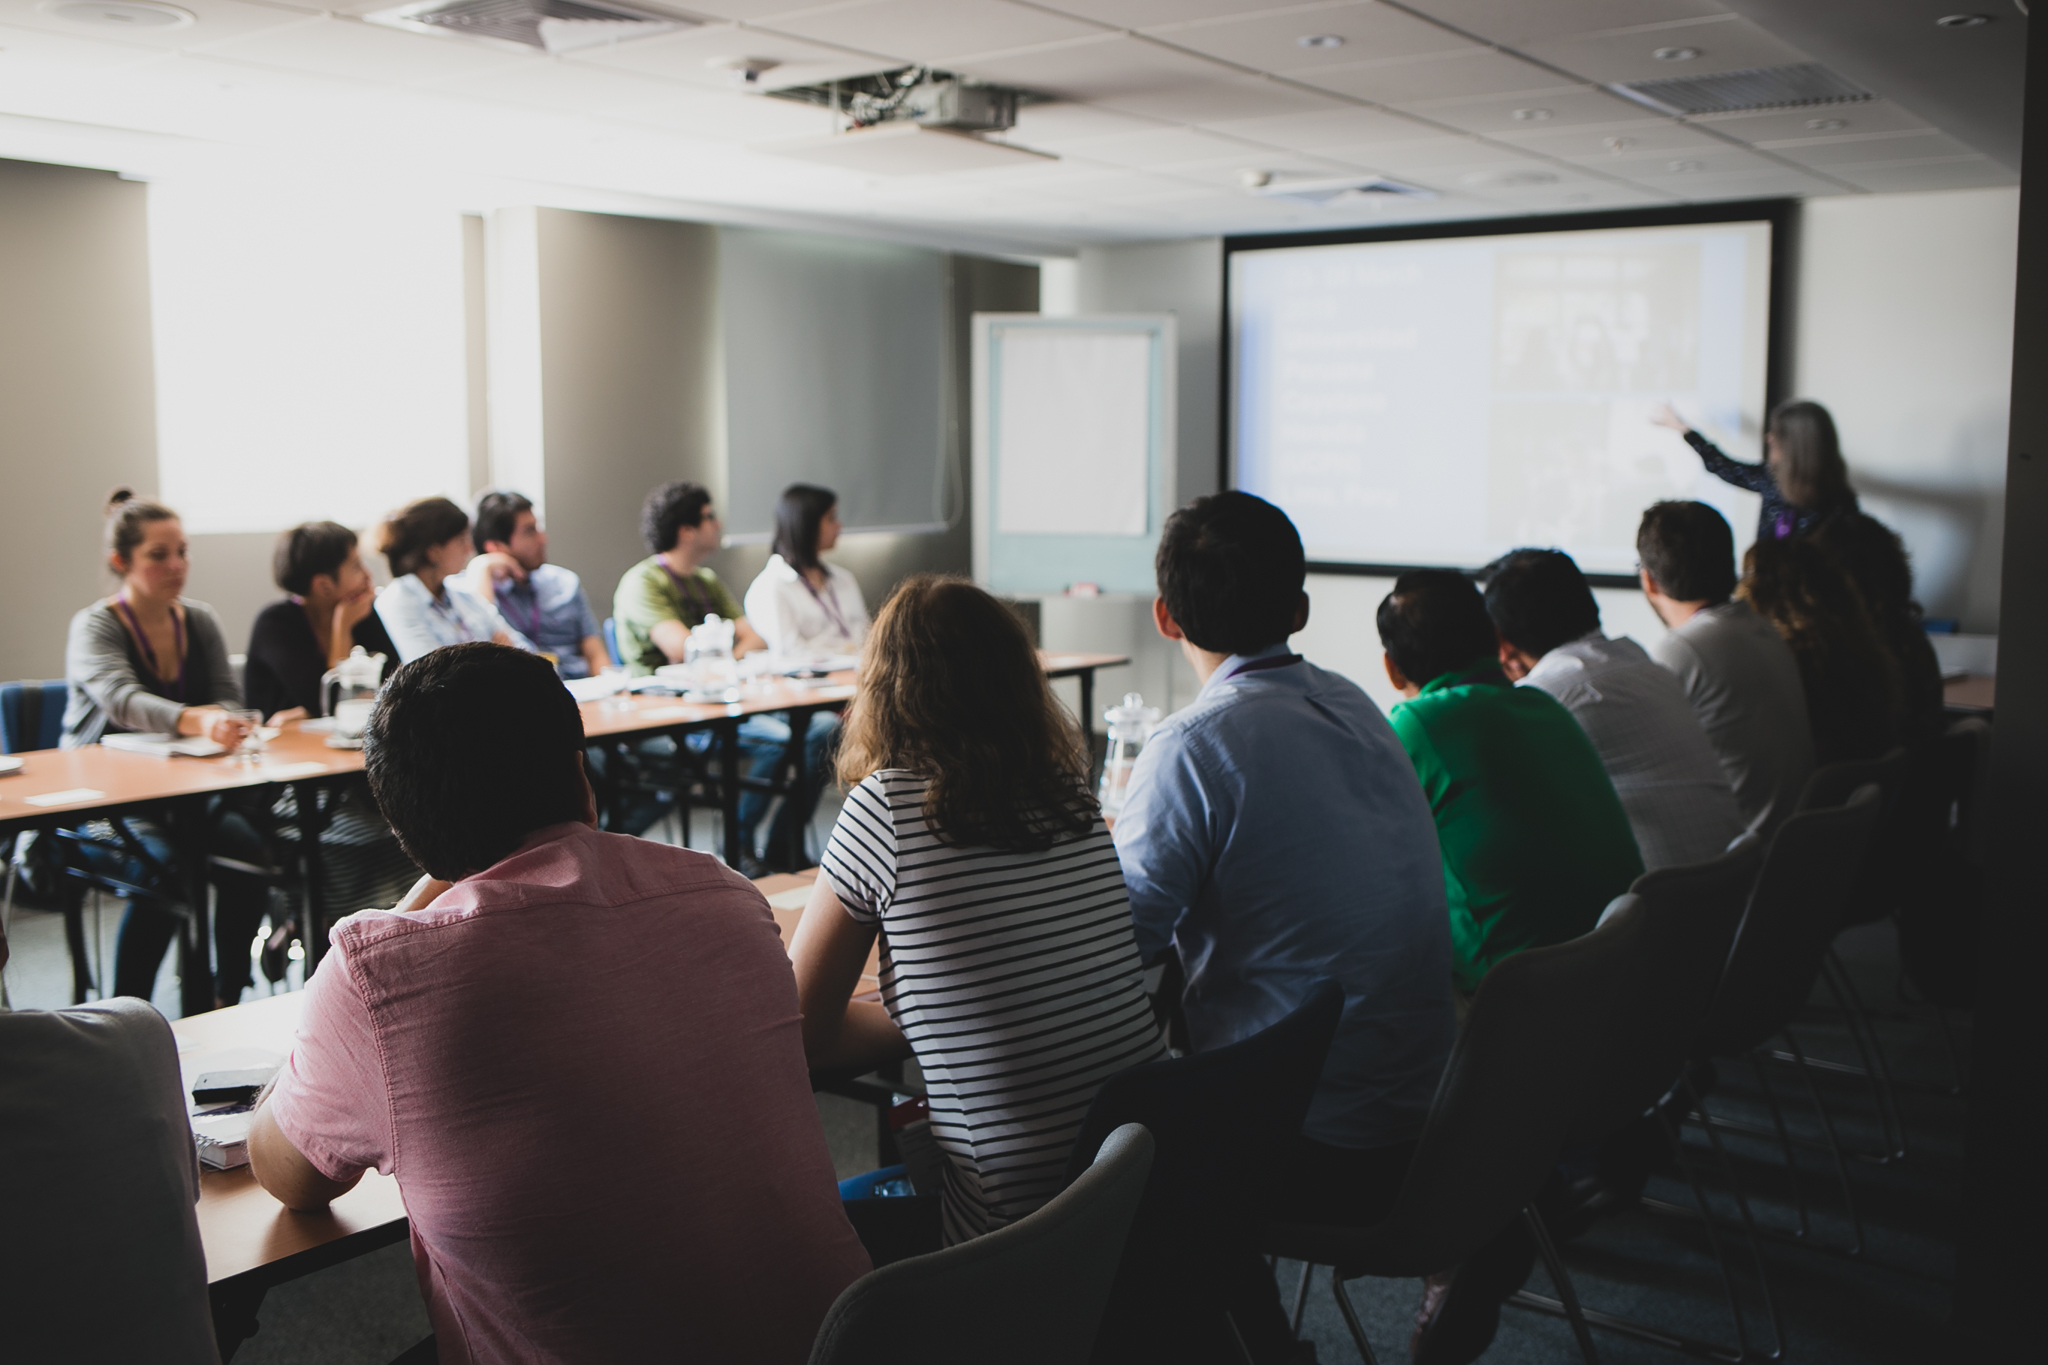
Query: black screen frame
1779, 213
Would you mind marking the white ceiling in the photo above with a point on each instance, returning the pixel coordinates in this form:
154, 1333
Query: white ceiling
1158, 109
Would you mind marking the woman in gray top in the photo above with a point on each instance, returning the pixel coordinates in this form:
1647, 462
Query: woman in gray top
147, 660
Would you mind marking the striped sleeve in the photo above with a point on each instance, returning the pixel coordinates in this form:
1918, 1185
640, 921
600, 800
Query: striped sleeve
860, 858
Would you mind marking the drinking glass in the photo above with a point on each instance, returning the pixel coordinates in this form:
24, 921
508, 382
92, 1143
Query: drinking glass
250, 750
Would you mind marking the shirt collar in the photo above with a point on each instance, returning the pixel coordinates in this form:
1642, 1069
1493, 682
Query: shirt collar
1480, 672
1223, 672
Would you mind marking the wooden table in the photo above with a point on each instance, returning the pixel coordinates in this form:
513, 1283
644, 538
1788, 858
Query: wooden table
254, 1243
1970, 692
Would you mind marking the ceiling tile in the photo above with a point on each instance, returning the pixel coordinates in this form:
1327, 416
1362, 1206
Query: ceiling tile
724, 116
1153, 147
1731, 45
1153, 13
1551, 110
1978, 173
1870, 116
25, 50
1461, 75
1518, 21
930, 30
544, 83
1350, 126
363, 52
1599, 143
1272, 42
694, 56
1093, 68
1063, 120
1245, 97
216, 20
1845, 155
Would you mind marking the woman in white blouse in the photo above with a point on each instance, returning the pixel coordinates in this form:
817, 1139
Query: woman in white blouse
427, 604
800, 604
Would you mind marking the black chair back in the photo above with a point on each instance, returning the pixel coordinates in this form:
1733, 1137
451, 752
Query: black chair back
1535, 1047
1223, 1121
1031, 1293
1677, 926
1794, 913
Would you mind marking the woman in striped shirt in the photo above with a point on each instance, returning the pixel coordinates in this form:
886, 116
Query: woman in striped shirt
971, 844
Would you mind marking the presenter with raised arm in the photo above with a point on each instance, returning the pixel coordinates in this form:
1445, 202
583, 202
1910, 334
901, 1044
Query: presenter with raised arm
1803, 480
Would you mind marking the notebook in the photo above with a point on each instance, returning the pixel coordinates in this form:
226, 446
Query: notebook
163, 746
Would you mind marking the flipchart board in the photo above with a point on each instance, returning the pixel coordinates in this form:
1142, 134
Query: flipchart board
1073, 449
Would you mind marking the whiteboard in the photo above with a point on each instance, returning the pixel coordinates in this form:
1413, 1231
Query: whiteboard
1073, 435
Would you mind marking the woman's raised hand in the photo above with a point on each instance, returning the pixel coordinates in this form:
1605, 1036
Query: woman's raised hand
1667, 416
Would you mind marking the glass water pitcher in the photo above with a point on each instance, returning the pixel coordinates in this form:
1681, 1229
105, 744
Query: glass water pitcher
1129, 724
355, 678
708, 658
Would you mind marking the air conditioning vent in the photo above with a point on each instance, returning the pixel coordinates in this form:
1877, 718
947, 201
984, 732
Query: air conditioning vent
1773, 87
553, 26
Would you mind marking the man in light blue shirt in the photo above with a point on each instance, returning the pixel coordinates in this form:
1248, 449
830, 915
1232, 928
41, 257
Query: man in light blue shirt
1275, 833
542, 601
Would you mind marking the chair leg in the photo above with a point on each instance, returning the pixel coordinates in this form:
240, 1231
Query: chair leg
1827, 1123
1707, 1220
1756, 1247
1565, 1293
1301, 1298
1351, 1320
1784, 1140
1875, 1067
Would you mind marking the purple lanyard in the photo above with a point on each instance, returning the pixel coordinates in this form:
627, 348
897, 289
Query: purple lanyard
532, 631
688, 589
830, 604
177, 633
1260, 665
447, 612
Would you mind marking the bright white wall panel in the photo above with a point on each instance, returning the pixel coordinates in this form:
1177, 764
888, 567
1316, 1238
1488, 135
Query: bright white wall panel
309, 351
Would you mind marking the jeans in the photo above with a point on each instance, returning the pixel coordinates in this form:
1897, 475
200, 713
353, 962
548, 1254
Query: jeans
150, 924
763, 739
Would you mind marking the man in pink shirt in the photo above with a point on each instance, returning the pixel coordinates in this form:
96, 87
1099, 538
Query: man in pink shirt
579, 1053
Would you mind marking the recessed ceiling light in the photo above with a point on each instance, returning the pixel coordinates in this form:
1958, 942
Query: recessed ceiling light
1618, 145
1530, 115
1321, 40
1686, 167
135, 14
1827, 125
1675, 54
1963, 20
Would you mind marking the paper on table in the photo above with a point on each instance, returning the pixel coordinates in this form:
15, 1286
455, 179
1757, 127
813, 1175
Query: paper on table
796, 898
280, 772
65, 798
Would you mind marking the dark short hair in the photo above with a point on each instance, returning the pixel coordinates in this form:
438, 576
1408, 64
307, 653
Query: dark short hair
497, 513
1539, 600
798, 513
411, 531
1230, 567
1689, 549
668, 510
308, 550
469, 750
1434, 622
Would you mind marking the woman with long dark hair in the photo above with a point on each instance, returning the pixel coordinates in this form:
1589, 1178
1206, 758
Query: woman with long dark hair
1803, 479
799, 603
971, 844
1850, 679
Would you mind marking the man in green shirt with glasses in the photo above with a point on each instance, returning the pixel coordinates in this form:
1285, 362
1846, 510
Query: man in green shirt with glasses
1534, 840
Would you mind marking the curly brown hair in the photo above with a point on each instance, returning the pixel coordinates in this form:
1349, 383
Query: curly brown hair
950, 689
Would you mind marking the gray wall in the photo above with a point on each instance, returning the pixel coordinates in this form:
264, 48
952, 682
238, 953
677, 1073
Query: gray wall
77, 393
629, 379
973, 285
1184, 278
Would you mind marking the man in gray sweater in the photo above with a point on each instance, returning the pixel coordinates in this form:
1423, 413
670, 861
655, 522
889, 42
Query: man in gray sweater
1737, 672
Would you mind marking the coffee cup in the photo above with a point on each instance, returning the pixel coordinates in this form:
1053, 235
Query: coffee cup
351, 718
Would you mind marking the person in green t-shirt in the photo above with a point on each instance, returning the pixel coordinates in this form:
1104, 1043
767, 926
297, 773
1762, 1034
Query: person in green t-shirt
669, 593
1534, 840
